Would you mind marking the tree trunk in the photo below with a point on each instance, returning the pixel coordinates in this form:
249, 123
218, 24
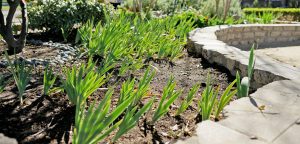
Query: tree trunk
14, 45
217, 7
226, 9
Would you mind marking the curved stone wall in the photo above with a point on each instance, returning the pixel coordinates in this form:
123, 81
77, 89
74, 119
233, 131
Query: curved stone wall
244, 36
226, 45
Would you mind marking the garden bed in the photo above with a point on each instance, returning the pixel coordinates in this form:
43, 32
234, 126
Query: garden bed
50, 119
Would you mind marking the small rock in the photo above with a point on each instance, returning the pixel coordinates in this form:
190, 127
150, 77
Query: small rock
298, 122
175, 127
164, 134
253, 137
7, 140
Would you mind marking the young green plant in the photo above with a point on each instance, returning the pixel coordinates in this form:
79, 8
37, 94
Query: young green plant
208, 99
49, 79
244, 85
2, 83
188, 100
168, 97
79, 83
21, 75
92, 126
131, 118
225, 99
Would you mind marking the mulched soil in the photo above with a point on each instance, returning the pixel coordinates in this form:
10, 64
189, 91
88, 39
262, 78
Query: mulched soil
50, 119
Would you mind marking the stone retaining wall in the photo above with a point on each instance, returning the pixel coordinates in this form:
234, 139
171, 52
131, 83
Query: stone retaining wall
211, 43
244, 36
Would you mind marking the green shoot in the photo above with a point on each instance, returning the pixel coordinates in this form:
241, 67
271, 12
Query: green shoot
49, 79
168, 97
127, 91
131, 119
251, 63
244, 85
92, 126
208, 100
128, 88
2, 83
20, 74
225, 99
188, 100
81, 82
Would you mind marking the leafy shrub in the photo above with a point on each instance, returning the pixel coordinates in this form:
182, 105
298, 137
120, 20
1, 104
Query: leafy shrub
56, 14
208, 8
261, 18
164, 6
283, 13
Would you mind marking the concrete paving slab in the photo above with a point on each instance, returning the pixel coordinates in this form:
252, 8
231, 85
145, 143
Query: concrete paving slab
289, 55
264, 126
209, 132
291, 136
281, 105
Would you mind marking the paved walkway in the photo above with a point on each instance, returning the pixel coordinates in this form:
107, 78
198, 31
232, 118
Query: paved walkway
271, 115
288, 55
277, 123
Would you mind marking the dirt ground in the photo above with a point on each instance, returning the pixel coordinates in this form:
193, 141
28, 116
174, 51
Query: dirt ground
50, 119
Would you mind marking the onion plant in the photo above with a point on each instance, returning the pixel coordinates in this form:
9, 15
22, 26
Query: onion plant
92, 126
188, 100
168, 97
21, 75
244, 85
49, 79
79, 83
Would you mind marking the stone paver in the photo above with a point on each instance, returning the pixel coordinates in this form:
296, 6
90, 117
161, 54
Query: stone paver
7, 140
291, 136
275, 123
289, 55
271, 114
209, 132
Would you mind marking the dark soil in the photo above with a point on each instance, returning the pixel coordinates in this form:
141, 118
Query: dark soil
50, 119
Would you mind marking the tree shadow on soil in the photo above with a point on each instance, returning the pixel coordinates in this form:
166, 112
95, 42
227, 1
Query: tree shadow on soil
27, 123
